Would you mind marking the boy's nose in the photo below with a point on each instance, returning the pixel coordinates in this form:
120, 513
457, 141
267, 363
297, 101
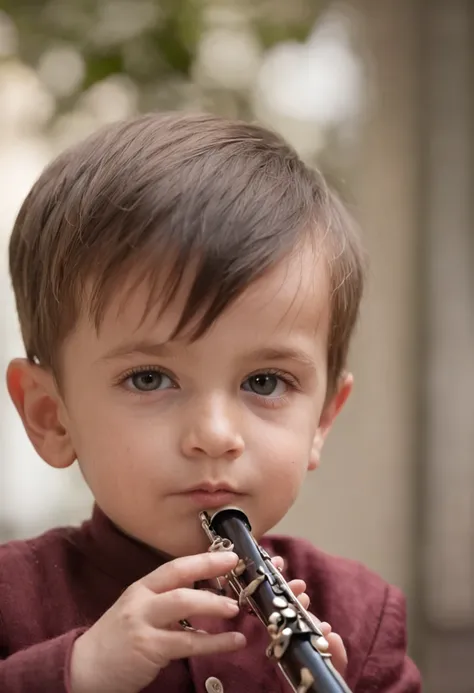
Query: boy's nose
212, 430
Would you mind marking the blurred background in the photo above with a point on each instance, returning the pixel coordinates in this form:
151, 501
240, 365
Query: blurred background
379, 94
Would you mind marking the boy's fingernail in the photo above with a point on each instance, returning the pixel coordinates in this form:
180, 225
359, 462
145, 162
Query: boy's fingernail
239, 639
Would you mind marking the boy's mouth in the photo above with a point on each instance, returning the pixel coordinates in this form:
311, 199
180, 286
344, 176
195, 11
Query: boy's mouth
212, 495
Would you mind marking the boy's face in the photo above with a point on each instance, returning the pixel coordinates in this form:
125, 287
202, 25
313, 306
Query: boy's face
240, 414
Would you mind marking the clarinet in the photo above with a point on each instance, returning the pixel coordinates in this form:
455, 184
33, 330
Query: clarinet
297, 645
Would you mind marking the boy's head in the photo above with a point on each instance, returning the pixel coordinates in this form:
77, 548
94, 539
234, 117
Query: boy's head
187, 289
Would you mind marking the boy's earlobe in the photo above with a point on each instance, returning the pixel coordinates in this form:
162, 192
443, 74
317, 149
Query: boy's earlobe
34, 394
316, 449
328, 416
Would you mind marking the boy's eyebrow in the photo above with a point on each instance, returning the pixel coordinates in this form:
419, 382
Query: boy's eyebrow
144, 347
157, 349
283, 353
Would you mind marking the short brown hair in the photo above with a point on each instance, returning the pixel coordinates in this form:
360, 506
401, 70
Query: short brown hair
231, 196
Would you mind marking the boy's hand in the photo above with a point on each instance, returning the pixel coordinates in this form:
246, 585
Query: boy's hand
138, 636
336, 646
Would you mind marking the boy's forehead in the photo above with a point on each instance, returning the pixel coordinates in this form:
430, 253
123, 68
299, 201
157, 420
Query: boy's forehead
292, 295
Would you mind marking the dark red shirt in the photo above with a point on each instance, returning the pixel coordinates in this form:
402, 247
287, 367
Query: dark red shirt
56, 585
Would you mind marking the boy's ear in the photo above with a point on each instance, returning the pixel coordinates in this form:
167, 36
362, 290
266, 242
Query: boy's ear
328, 416
35, 395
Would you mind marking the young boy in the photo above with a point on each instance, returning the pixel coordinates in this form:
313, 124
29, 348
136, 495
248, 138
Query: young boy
186, 289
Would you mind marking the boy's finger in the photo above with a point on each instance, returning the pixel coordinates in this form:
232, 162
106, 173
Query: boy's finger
304, 600
170, 645
297, 587
336, 648
338, 651
278, 562
325, 627
183, 604
189, 569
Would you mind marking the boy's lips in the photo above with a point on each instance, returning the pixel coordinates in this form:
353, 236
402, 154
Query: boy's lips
212, 495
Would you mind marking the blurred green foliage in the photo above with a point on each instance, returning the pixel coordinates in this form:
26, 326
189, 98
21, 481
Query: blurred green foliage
152, 42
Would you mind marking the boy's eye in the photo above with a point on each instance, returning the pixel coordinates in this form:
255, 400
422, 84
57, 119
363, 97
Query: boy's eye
146, 381
265, 385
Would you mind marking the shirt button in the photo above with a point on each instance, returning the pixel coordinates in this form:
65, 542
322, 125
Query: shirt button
213, 685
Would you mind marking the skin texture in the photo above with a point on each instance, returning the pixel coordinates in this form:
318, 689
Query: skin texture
147, 419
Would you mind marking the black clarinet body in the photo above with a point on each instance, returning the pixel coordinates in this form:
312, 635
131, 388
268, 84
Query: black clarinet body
296, 643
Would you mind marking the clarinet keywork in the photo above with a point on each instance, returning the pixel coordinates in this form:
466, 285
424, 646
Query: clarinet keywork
296, 644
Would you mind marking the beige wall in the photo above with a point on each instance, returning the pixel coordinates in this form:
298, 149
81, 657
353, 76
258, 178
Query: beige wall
360, 503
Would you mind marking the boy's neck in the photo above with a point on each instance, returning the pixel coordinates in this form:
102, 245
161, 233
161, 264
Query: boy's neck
116, 553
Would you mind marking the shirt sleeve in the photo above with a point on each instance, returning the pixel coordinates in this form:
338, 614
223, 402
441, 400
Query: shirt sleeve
41, 668
388, 669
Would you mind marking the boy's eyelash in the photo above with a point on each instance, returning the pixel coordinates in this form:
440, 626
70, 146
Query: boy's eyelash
286, 377
142, 369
